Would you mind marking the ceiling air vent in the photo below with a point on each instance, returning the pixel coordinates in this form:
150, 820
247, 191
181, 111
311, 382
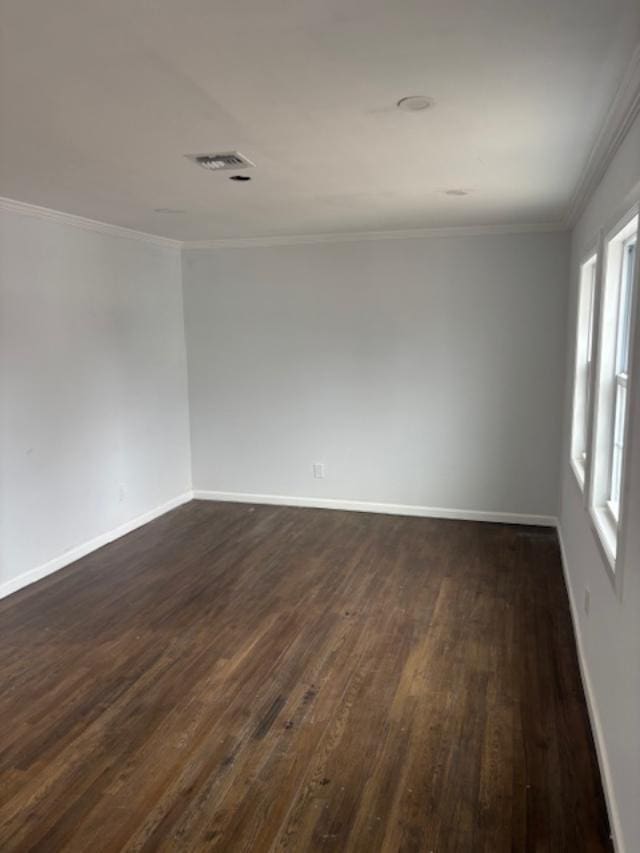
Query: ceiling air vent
217, 162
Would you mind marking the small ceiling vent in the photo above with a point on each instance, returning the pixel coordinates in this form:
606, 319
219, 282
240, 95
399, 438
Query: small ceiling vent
217, 162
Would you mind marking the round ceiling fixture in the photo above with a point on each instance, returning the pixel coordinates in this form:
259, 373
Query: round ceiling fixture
456, 192
239, 178
414, 103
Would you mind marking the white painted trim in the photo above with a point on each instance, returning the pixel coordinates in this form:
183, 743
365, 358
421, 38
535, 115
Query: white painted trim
578, 472
24, 209
356, 236
624, 110
606, 534
592, 706
48, 568
383, 508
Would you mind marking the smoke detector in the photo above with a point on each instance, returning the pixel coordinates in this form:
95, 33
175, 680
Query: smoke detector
218, 162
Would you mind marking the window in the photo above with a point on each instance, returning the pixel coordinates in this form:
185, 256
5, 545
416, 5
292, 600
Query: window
583, 368
623, 327
614, 365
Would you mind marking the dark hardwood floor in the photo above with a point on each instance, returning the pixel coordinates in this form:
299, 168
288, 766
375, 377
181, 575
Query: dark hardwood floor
232, 677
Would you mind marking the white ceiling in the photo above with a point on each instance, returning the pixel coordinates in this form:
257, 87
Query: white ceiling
100, 100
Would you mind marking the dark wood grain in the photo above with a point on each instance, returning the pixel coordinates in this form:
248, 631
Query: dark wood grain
235, 677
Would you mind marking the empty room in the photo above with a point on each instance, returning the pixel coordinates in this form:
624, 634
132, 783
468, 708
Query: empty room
320, 426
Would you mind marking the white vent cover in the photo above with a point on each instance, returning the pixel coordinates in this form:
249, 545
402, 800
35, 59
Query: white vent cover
217, 162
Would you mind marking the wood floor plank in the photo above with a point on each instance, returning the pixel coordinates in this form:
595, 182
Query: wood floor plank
251, 678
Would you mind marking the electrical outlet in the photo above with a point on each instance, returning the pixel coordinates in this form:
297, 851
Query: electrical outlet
122, 493
587, 600
318, 470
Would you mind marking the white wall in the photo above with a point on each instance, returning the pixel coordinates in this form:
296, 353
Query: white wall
92, 387
420, 371
610, 635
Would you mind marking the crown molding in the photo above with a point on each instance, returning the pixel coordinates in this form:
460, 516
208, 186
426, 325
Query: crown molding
358, 236
21, 207
624, 110
26, 209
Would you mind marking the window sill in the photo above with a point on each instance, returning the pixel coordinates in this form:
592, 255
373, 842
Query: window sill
577, 466
612, 510
607, 532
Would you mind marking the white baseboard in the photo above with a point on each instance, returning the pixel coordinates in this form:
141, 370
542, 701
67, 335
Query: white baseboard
48, 568
51, 566
594, 716
383, 508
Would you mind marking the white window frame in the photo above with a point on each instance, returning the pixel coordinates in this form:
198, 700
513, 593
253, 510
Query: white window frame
585, 359
621, 377
607, 522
